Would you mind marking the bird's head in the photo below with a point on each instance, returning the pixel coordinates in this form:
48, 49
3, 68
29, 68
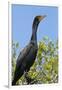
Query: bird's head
37, 20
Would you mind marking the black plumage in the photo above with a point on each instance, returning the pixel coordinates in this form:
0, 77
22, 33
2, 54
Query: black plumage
27, 56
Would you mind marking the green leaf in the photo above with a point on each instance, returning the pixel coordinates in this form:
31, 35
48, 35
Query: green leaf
17, 45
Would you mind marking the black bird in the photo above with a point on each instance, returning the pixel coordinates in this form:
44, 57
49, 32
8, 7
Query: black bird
27, 56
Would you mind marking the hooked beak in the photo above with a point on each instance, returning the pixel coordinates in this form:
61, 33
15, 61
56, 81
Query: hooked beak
41, 17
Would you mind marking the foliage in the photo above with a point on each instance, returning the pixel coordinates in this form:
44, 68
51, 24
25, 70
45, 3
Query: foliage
45, 68
14, 49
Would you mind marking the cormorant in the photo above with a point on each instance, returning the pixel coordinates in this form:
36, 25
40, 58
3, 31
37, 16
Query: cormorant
27, 56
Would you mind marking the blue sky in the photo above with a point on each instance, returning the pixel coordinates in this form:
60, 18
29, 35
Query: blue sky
22, 19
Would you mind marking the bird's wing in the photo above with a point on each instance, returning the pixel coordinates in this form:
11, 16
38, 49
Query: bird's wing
23, 54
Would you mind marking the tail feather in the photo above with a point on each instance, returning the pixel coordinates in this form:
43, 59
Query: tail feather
17, 76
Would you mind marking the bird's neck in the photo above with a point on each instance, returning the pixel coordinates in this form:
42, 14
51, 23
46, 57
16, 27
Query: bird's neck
34, 37
34, 34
